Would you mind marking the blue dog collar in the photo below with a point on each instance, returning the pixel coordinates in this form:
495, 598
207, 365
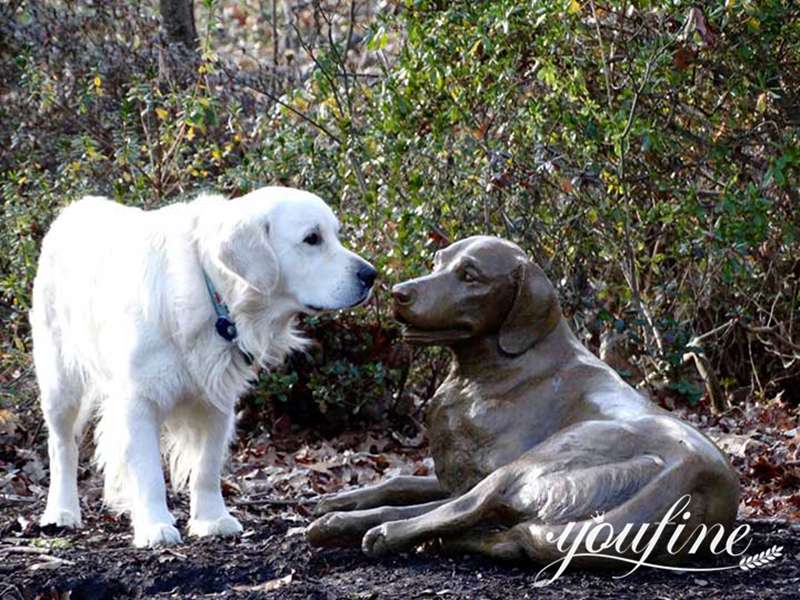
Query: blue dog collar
225, 326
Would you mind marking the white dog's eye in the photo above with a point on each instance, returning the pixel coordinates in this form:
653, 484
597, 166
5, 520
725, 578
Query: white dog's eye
312, 239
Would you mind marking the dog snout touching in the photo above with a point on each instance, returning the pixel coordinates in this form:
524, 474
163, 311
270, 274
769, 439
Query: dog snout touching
366, 275
403, 295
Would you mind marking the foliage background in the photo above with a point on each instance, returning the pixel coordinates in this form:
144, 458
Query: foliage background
645, 153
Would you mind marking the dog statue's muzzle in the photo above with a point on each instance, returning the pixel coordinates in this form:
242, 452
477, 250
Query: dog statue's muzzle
426, 321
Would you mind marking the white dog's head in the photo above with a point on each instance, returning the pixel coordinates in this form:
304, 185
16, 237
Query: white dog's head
284, 243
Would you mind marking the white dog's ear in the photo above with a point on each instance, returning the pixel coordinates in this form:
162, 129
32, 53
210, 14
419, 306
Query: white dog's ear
245, 250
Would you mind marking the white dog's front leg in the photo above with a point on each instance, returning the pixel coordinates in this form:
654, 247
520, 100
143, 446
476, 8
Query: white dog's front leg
141, 458
208, 514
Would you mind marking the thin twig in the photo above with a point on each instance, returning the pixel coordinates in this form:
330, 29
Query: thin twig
5, 550
606, 64
290, 108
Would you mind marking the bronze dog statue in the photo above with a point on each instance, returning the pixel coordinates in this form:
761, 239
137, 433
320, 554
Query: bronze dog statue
528, 432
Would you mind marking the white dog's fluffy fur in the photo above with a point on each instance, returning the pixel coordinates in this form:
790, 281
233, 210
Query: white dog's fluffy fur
124, 329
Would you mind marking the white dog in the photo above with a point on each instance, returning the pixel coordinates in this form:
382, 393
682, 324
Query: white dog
151, 320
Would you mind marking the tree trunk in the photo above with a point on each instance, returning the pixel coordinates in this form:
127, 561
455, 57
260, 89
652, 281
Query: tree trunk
177, 19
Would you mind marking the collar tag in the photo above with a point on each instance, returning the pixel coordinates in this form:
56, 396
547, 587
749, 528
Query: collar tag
226, 328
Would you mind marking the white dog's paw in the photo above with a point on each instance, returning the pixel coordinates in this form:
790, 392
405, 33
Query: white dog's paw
61, 517
225, 525
155, 534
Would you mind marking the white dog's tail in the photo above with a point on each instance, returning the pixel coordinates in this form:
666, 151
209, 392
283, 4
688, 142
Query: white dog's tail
193, 434
109, 457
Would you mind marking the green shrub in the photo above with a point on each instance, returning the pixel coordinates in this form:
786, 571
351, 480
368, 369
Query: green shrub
645, 153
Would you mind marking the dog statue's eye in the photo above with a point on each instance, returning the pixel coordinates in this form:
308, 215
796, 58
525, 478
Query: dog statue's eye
468, 277
312, 239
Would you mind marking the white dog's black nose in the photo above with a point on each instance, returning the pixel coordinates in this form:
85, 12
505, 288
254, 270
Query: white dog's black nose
366, 275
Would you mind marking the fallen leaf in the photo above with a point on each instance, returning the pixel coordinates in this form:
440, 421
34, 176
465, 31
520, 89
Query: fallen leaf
267, 586
51, 563
683, 57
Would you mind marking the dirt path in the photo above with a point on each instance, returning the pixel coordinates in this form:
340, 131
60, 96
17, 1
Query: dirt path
98, 562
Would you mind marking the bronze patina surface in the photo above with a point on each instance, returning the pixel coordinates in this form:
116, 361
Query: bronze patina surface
530, 431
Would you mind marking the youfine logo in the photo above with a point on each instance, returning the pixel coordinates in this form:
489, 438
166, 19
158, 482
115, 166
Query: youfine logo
636, 544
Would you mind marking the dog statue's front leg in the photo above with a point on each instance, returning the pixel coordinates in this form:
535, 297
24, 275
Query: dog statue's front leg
402, 490
347, 528
453, 517
208, 514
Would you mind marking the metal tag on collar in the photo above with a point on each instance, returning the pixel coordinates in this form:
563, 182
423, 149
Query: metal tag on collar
226, 328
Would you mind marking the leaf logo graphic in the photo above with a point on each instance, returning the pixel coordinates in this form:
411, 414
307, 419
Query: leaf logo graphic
761, 559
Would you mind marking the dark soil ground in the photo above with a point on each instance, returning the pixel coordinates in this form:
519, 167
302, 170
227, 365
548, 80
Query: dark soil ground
271, 485
272, 560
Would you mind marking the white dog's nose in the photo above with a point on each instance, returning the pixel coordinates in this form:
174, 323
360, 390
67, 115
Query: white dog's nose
366, 275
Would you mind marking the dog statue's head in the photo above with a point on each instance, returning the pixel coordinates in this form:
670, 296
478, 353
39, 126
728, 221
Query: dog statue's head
284, 244
480, 286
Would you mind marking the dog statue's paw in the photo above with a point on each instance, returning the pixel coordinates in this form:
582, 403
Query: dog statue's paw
224, 525
328, 529
155, 534
334, 502
374, 543
62, 518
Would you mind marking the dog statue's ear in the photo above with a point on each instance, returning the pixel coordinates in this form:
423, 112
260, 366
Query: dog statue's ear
248, 254
534, 312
